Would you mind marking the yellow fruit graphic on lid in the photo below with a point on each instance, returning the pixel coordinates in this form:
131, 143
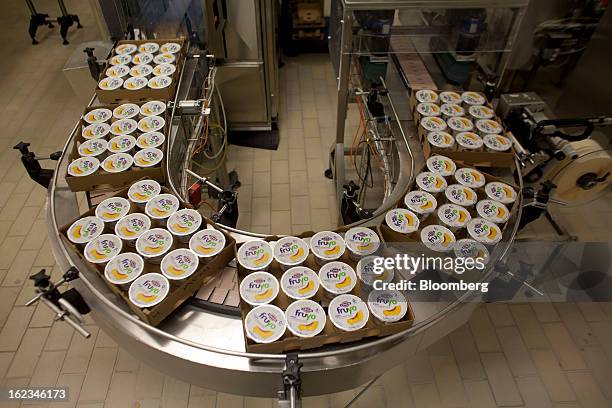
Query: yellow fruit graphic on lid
267, 294
332, 251
365, 247
468, 194
179, 228
439, 183
462, 216
508, 191
110, 216
312, 326
174, 270
299, 254
447, 240
427, 205
153, 250
501, 212
94, 253
355, 319
77, 231
204, 250
126, 232
393, 311
118, 275
346, 282
77, 170
158, 212
492, 233
262, 332
140, 196
308, 288
476, 176
262, 259
146, 298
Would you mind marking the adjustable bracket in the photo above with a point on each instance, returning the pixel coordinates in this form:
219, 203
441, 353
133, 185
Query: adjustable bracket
34, 169
192, 107
39, 19
227, 209
290, 393
95, 67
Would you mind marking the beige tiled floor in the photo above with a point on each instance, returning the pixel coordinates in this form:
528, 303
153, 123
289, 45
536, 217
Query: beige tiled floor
531, 355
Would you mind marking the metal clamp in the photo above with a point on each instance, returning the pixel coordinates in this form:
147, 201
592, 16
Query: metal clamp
197, 107
289, 395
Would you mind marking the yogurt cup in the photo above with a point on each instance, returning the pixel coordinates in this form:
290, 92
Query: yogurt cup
305, 318
348, 312
126, 111
290, 252
337, 278
159, 82
124, 268
327, 246
367, 275
153, 244
428, 109
149, 47
184, 223
153, 108
470, 177
501, 192
453, 216
259, 288
421, 203
164, 58
151, 124
117, 71
112, 209
451, 110
432, 124
135, 83
121, 59
493, 211
143, 70
459, 125
478, 112
148, 157
85, 229
402, 220
164, 70
142, 58
426, 96
461, 195
83, 166
93, 148
387, 306
130, 227
468, 141
150, 139
488, 127
255, 255
441, 140
265, 324
95, 130
170, 48
179, 264
497, 143
468, 248
437, 238
300, 282
125, 49
450, 97
110, 83
207, 243
148, 290
361, 241
99, 115
484, 231
118, 162
123, 127
431, 182
441, 165
472, 98
142, 191
161, 207
103, 248
121, 144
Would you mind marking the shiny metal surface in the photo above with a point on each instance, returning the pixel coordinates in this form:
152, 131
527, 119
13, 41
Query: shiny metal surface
428, 4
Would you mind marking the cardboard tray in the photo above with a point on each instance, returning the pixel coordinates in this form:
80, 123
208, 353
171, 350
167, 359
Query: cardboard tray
179, 290
125, 95
330, 334
117, 180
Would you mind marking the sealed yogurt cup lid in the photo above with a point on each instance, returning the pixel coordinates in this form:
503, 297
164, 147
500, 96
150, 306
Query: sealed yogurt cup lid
184, 222
99, 115
103, 248
493, 211
428, 109
154, 242
452, 109
367, 273
125, 49
362, 241
290, 251
337, 277
433, 124
300, 282
484, 231
142, 70
143, 190
472, 98
402, 220
153, 108
117, 71
450, 97
348, 312
121, 144
442, 140
118, 162
488, 126
149, 289
92, 147
430, 182
170, 47
159, 82
123, 127
461, 195
460, 124
149, 47
150, 139
500, 192
126, 111
425, 96
327, 245
85, 229
441, 165
135, 82
255, 255
95, 130
164, 70
497, 142
468, 248
148, 157
421, 202
387, 305
453, 215
151, 123
83, 166
207, 243
259, 288
470, 177
162, 206
481, 112
122, 59
469, 140
112, 209
110, 83
305, 318
132, 226
142, 58
265, 324
179, 264
438, 238
124, 268
164, 58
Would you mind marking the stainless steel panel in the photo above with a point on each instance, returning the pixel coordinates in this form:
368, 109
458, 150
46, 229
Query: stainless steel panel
242, 31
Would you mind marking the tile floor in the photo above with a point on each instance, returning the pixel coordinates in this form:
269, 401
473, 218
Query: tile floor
520, 355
